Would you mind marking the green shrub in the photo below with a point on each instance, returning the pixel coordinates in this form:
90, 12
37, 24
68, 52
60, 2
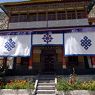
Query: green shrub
88, 85
64, 85
18, 84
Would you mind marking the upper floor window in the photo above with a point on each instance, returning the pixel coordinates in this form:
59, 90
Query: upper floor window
81, 14
23, 17
51, 16
32, 17
41, 16
61, 15
14, 18
71, 15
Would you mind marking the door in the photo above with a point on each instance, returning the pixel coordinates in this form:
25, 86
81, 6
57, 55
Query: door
48, 60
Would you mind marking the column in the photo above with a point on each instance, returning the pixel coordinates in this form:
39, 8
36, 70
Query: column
93, 61
18, 62
30, 60
5, 62
89, 62
63, 60
14, 64
10, 62
30, 63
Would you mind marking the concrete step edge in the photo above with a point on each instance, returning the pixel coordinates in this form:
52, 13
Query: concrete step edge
45, 94
46, 90
45, 86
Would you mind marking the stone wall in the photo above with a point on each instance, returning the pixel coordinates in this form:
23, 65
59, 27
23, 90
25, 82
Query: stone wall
3, 21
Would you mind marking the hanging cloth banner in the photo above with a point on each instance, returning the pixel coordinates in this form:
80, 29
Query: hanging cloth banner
47, 39
15, 45
79, 43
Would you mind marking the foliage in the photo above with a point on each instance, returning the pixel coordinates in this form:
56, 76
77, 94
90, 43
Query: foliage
1, 84
64, 85
88, 85
18, 84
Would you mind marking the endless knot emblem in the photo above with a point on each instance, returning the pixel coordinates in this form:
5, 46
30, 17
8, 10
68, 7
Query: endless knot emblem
86, 42
47, 38
10, 44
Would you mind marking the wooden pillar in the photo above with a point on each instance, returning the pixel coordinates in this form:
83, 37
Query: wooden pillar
89, 62
10, 62
63, 60
18, 60
31, 60
14, 64
5, 62
30, 63
93, 61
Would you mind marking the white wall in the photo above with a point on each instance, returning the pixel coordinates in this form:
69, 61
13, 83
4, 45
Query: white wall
43, 24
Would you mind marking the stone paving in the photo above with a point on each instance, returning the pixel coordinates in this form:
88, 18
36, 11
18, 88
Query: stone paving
77, 92
16, 92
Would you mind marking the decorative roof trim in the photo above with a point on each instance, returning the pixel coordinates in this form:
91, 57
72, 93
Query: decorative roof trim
27, 2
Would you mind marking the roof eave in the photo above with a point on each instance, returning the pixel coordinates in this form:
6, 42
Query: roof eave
27, 2
4, 9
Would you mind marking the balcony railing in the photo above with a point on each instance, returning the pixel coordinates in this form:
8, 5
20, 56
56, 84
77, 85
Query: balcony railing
53, 23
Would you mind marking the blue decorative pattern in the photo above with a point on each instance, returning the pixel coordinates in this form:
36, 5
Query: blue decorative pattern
47, 38
86, 42
9, 45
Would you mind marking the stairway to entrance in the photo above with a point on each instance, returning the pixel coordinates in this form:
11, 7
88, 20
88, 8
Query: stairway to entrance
46, 85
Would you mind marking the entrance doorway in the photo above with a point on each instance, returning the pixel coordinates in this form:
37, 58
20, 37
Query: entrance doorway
48, 59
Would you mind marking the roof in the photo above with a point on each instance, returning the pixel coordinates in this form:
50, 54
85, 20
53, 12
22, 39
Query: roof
4, 6
35, 1
27, 2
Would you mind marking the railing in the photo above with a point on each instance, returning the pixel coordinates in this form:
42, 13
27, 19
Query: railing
47, 6
56, 92
35, 86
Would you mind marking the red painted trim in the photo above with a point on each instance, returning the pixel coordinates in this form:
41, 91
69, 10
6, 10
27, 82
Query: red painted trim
93, 60
30, 61
63, 58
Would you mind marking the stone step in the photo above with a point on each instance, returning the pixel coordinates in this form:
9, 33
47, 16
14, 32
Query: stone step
47, 77
46, 88
46, 84
46, 81
45, 91
45, 94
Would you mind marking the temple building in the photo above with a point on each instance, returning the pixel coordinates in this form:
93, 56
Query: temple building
49, 20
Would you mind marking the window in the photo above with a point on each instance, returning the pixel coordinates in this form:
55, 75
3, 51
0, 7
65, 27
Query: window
61, 15
51, 16
71, 15
22, 17
81, 14
41, 16
14, 18
32, 17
